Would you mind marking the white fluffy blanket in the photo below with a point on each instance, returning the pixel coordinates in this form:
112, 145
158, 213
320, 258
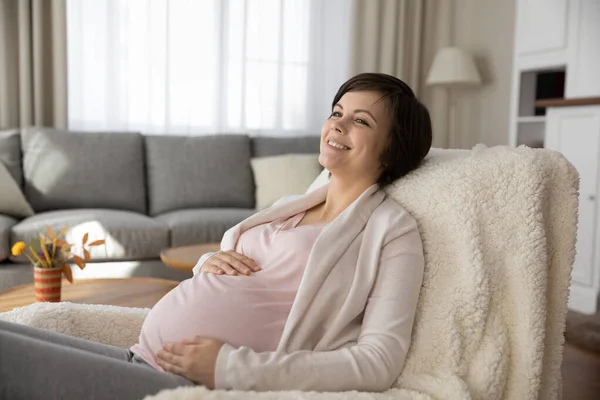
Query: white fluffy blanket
498, 226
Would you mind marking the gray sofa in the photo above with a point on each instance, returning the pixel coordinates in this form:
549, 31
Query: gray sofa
141, 193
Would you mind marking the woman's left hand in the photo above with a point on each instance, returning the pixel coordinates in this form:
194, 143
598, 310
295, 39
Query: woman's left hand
194, 359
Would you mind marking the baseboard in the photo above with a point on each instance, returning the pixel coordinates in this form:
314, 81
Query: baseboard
583, 299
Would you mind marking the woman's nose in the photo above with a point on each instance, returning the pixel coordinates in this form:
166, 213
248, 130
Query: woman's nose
338, 126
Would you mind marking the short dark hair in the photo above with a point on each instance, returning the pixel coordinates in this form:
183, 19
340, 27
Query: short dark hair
410, 135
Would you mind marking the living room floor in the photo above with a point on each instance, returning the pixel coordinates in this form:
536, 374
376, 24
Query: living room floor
580, 368
581, 374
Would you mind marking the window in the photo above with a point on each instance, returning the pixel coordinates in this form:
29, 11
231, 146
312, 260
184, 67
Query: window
205, 66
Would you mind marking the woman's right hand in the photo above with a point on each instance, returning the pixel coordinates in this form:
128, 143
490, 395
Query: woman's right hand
229, 262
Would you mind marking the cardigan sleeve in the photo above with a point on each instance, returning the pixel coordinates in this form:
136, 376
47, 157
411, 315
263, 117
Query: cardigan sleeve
373, 363
201, 261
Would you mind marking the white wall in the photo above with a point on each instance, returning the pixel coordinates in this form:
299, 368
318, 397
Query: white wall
486, 29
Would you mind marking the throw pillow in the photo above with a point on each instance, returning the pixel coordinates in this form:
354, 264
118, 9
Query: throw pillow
279, 176
12, 201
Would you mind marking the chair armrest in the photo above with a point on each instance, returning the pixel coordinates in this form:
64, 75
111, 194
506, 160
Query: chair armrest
117, 326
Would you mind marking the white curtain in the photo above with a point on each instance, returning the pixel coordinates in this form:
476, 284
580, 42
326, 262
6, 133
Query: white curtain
264, 67
33, 63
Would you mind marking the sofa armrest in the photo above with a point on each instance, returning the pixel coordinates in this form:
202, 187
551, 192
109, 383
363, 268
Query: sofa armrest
117, 326
6, 224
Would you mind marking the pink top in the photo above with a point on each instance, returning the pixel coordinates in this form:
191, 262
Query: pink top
240, 310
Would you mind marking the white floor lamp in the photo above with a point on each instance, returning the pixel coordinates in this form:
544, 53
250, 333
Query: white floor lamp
453, 68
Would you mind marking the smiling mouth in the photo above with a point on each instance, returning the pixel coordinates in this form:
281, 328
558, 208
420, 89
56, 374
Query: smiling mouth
337, 145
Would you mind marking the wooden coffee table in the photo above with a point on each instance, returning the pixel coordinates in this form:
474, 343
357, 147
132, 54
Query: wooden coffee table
184, 258
128, 292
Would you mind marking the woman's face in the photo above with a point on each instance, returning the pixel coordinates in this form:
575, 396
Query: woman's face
355, 135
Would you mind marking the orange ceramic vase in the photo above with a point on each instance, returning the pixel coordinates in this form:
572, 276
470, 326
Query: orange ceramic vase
47, 284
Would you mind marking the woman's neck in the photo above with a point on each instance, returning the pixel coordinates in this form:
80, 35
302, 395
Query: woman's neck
340, 194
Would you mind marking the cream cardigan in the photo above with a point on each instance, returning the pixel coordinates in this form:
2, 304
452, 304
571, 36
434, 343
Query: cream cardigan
350, 325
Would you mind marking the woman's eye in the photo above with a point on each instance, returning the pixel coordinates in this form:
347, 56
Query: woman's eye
362, 121
336, 114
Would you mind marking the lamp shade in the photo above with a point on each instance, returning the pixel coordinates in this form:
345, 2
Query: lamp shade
453, 67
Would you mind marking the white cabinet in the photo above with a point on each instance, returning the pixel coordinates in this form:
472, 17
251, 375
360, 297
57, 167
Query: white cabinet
575, 132
541, 39
583, 56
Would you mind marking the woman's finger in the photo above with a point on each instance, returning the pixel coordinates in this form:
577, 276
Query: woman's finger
216, 270
174, 348
236, 264
169, 358
224, 265
169, 367
211, 269
246, 260
195, 340
247, 264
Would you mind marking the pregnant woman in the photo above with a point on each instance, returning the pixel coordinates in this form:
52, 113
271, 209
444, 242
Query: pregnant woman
317, 292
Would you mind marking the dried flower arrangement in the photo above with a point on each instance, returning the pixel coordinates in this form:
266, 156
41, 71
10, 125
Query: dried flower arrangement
52, 252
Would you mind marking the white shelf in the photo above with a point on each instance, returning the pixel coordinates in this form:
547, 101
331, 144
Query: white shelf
531, 119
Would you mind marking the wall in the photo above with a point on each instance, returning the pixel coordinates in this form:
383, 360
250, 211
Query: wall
486, 29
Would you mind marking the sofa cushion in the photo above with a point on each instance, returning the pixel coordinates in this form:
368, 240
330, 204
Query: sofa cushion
128, 235
10, 153
83, 170
198, 172
202, 225
6, 223
273, 146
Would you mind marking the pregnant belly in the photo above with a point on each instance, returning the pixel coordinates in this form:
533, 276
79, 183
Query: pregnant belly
238, 310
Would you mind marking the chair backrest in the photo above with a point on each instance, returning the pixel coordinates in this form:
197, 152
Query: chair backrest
498, 227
